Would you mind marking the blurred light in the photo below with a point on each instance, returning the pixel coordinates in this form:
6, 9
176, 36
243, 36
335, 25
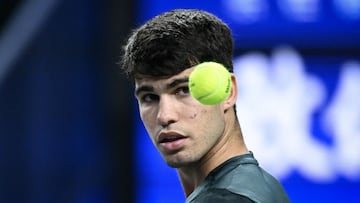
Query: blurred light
246, 11
348, 8
300, 10
21, 28
285, 98
342, 120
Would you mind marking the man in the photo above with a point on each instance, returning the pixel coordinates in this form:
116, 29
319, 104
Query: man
203, 142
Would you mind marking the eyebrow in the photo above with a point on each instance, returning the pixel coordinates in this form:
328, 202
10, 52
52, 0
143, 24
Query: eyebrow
176, 82
143, 89
172, 84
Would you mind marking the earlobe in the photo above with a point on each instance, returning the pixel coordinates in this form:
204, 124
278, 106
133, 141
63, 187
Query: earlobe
231, 100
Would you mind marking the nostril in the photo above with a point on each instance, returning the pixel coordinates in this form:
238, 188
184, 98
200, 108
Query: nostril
165, 124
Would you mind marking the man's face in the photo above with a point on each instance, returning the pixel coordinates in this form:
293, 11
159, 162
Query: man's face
181, 128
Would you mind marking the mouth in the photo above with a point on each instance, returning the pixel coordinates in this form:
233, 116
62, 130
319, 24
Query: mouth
171, 141
163, 138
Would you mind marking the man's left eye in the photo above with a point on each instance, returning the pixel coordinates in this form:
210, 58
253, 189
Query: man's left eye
182, 91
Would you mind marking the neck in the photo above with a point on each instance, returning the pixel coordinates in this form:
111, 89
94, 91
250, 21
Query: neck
229, 145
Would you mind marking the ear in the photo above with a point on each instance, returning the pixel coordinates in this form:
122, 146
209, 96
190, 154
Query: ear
231, 100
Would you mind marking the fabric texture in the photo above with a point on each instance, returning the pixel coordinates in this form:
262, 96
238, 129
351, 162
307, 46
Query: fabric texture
243, 180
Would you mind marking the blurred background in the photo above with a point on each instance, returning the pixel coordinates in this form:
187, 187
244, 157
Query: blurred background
69, 125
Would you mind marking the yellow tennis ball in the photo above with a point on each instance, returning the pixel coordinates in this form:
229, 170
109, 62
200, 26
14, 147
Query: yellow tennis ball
210, 83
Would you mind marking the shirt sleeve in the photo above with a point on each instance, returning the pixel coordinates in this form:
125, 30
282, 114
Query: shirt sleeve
220, 195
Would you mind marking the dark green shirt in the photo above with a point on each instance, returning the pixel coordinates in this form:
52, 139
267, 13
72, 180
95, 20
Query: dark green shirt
239, 179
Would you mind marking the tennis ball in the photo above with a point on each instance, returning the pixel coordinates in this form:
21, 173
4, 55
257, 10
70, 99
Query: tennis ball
210, 83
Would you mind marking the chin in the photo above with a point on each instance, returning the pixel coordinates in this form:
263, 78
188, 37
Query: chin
177, 162
174, 165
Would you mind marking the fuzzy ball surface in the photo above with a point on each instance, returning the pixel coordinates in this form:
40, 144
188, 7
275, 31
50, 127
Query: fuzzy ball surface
210, 83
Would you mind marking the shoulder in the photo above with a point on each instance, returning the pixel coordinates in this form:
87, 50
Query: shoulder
243, 176
216, 195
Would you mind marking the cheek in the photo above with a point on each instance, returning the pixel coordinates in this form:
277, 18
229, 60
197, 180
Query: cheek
193, 116
196, 113
209, 117
148, 118
201, 118
149, 124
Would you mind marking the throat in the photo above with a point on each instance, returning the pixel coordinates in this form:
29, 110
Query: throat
190, 179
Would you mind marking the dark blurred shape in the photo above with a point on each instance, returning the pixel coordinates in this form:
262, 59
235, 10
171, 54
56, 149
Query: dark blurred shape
119, 20
6, 9
65, 110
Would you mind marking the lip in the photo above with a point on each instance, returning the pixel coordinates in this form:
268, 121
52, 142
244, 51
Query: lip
171, 141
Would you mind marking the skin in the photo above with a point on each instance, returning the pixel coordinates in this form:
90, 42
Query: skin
190, 136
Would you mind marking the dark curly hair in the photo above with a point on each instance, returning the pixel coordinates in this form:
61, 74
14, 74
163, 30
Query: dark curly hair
176, 40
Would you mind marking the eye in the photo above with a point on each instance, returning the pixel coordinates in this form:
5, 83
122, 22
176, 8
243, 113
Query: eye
182, 90
148, 98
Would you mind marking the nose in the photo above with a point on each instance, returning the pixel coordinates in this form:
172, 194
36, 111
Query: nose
167, 113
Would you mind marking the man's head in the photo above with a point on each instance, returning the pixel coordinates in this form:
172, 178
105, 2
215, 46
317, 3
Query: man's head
176, 40
160, 57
